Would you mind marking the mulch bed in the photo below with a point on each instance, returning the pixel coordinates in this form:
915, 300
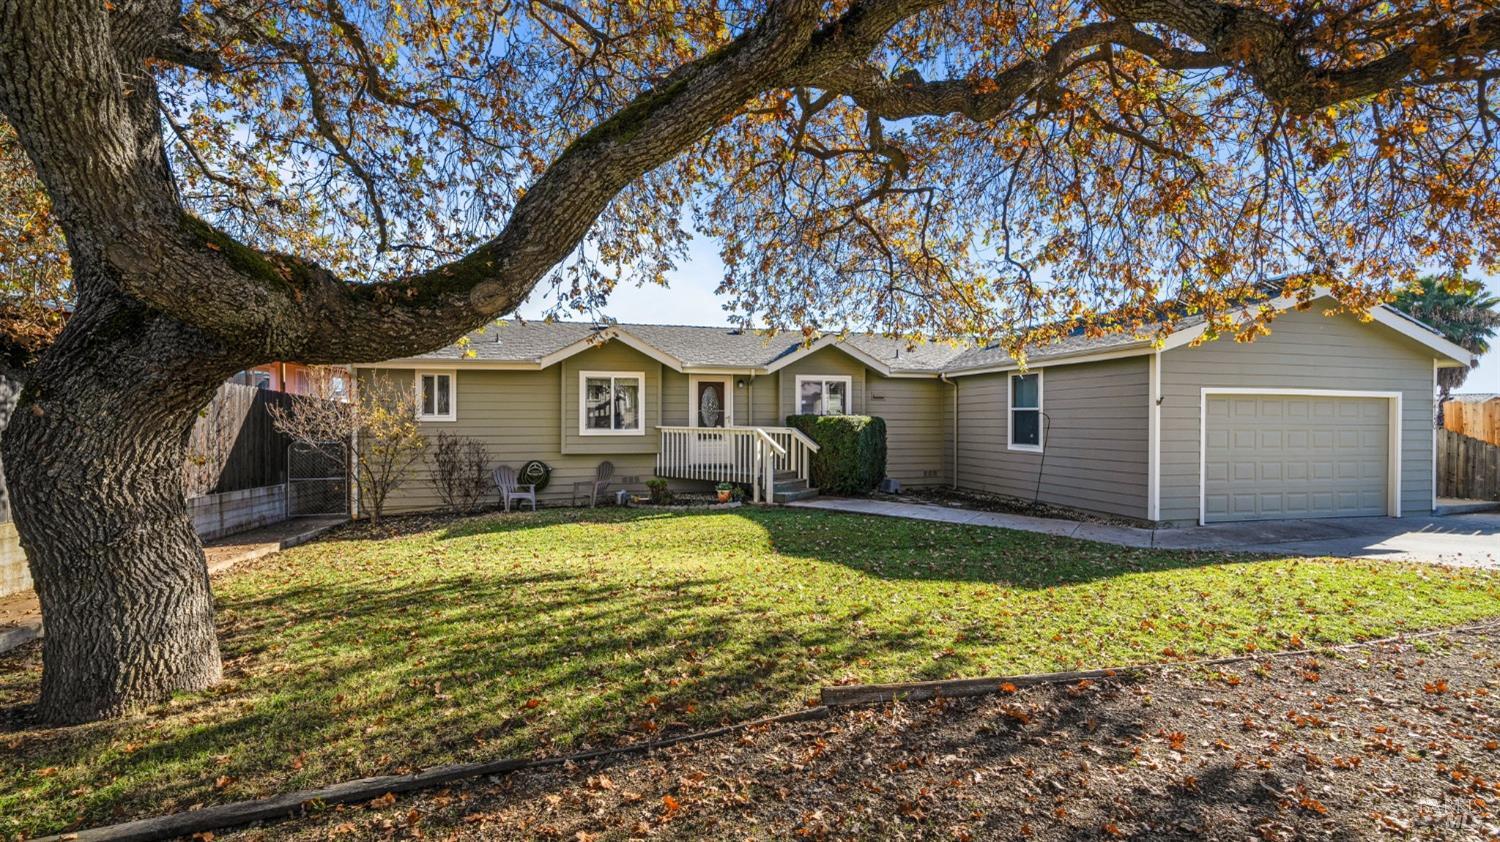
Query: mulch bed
1387, 741
977, 501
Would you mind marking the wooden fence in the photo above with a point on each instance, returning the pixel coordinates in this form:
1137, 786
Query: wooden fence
1467, 468
1474, 419
235, 444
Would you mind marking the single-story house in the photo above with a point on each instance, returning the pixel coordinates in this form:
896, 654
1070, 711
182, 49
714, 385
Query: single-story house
1328, 416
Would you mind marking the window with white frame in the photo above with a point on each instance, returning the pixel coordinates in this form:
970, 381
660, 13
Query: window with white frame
436, 400
610, 403
1025, 412
819, 394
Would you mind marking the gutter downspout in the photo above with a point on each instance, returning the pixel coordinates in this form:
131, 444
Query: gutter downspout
943, 376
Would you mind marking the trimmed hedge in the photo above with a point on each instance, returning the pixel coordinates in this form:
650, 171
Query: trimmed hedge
851, 455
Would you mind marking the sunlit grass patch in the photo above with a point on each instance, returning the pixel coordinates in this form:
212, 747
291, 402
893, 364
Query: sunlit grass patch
525, 634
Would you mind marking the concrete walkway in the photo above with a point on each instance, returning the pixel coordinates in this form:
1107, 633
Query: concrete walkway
21, 616
1469, 540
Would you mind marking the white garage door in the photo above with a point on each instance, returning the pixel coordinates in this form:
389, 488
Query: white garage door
1267, 457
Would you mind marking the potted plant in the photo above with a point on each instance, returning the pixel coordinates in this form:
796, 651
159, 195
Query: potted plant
726, 491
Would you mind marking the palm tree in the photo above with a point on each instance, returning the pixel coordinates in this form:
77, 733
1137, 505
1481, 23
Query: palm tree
1465, 314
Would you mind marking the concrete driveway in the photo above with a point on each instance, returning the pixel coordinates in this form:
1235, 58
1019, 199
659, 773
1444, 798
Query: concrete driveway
1470, 540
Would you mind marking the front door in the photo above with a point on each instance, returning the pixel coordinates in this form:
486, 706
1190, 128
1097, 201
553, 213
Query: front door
711, 409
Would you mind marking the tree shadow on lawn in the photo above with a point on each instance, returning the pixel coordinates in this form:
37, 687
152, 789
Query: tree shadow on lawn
884, 547
336, 679
345, 661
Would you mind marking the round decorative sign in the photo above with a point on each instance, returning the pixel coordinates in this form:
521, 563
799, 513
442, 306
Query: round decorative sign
536, 472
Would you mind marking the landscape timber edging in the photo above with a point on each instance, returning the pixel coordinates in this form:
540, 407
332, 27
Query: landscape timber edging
365, 789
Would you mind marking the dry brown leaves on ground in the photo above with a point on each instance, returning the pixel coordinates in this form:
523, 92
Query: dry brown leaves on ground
1394, 741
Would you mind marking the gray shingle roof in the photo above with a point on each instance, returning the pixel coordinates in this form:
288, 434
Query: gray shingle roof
1067, 346
514, 341
724, 347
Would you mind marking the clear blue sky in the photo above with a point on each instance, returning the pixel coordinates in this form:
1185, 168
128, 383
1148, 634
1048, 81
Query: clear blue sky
690, 300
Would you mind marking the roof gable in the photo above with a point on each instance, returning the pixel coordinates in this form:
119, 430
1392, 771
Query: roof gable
532, 345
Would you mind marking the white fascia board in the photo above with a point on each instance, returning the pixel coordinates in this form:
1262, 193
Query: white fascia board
829, 341
1136, 350
725, 370
603, 336
1453, 353
477, 365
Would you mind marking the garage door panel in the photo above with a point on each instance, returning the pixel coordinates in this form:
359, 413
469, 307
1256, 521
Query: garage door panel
1268, 456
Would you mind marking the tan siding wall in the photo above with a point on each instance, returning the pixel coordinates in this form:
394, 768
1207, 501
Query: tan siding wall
913, 410
1096, 441
828, 361
1305, 350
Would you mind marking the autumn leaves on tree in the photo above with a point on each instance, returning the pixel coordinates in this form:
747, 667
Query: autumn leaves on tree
333, 181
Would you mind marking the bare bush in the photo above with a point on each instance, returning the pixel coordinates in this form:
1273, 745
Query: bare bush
379, 419
460, 472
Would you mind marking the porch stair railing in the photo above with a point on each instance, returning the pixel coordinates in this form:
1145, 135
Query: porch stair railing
758, 456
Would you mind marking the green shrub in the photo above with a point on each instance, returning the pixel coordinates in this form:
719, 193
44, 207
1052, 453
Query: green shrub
851, 451
661, 495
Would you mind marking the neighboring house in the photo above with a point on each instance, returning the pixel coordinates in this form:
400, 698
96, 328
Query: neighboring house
294, 379
1326, 416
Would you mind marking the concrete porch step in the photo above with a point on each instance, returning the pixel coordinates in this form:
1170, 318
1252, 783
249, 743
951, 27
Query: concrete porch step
784, 497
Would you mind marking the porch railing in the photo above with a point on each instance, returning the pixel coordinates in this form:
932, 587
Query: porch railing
753, 455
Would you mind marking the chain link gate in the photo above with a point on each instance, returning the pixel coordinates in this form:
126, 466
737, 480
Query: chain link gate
317, 479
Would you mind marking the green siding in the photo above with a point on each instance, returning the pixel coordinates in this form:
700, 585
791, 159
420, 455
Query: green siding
1305, 350
525, 415
1096, 441
914, 413
609, 357
827, 361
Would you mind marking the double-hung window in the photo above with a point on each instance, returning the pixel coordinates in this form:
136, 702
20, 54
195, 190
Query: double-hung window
1026, 430
436, 400
610, 403
823, 394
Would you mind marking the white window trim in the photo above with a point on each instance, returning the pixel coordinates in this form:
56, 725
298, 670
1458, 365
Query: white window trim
847, 380
640, 380
694, 380
1393, 442
1010, 415
452, 375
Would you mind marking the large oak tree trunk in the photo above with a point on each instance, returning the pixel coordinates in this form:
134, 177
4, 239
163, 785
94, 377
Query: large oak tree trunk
94, 456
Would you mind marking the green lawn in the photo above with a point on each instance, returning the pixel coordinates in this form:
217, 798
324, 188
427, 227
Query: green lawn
537, 633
